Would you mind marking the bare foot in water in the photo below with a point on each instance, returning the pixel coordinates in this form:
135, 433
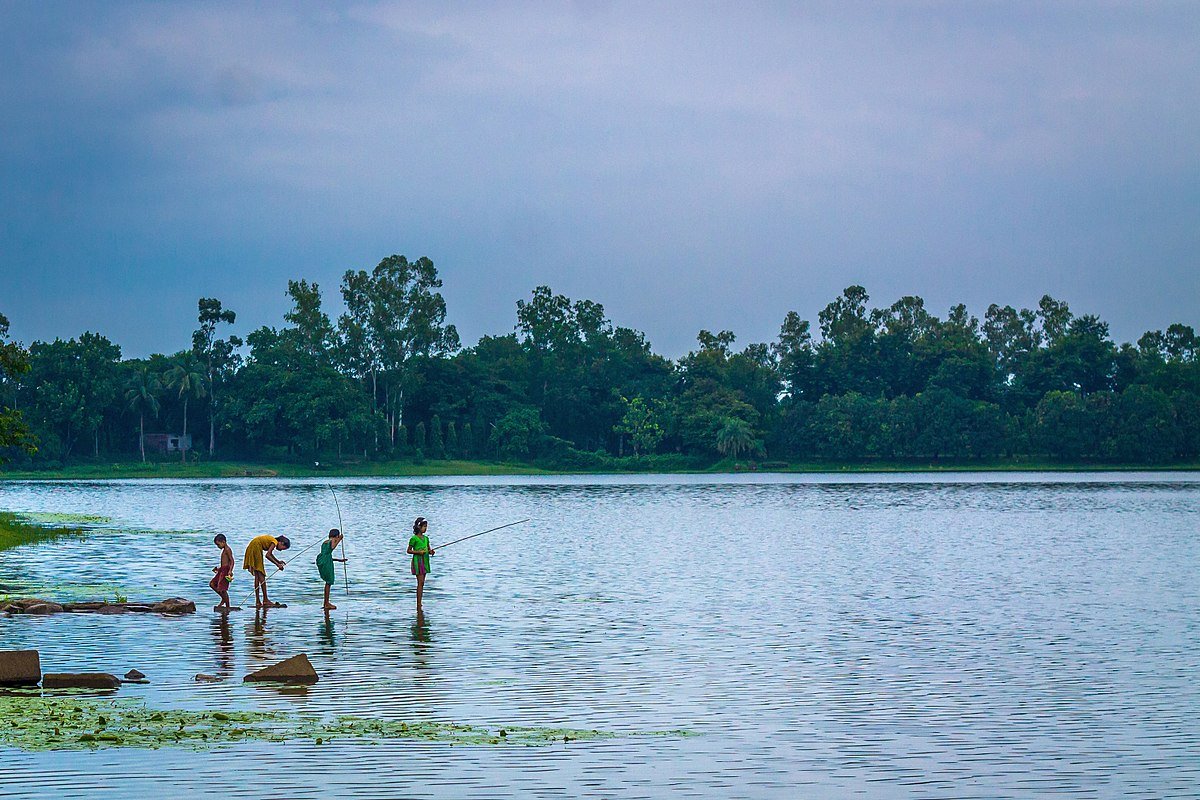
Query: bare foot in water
330, 607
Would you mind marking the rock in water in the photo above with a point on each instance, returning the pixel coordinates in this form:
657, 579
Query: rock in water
20, 668
203, 678
134, 675
44, 608
80, 680
296, 669
111, 609
175, 605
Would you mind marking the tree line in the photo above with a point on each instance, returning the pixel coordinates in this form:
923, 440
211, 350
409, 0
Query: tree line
390, 379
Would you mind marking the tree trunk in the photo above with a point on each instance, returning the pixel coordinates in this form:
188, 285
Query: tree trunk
183, 436
212, 406
96, 443
142, 435
375, 403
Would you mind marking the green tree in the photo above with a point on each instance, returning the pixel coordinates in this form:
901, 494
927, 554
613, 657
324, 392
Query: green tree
75, 383
736, 437
141, 397
437, 447
452, 450
14, 362
187, 383
641, 424
517, 434
219, 356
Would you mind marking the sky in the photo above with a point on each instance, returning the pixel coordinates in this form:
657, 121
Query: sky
688, 165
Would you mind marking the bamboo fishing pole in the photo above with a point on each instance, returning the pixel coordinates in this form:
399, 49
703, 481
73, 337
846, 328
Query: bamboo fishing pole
342, 544
481, 533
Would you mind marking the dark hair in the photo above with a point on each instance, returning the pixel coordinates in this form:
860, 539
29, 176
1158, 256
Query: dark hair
334, 532
418, 522
219, 538
283, 542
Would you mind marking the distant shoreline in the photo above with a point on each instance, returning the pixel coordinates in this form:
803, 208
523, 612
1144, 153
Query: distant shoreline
409, 469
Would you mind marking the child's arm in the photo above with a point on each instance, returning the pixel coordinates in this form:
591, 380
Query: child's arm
271, 555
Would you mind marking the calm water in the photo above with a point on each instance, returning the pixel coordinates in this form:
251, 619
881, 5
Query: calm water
825, 636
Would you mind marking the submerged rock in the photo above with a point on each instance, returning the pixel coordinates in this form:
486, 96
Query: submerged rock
80, 680
175, 605
205, 678
296, 669
34, 605
42, 609
20, 668
134, 675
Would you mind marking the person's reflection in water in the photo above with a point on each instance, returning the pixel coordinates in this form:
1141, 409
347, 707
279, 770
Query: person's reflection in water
328, 637
256, 635
224, 638
422, 637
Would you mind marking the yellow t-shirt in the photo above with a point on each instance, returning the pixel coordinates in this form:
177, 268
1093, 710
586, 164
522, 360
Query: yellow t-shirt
254, 560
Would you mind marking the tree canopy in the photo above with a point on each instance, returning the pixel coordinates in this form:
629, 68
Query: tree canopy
569, 388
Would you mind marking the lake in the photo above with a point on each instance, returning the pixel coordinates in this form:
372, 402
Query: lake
817, 636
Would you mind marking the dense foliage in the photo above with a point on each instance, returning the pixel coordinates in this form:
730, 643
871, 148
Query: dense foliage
390, 379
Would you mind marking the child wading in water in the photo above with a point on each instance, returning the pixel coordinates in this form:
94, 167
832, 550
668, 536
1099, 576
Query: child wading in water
325, 564
223, 575
419, 549
261, 547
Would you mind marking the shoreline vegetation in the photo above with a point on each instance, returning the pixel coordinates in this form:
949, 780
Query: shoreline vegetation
450, 468
388, 388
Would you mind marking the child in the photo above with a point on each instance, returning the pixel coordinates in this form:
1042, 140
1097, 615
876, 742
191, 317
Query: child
259, 547
325, 564
419, 549
223, 574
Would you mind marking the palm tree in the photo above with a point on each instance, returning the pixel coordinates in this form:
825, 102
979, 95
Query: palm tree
734, 437
141, 395
183, 378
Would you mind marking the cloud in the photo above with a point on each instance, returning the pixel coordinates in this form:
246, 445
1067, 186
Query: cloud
724, 162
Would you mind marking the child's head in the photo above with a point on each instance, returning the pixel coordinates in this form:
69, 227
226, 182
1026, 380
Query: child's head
420, 525
283, 542
334, 534
219, 540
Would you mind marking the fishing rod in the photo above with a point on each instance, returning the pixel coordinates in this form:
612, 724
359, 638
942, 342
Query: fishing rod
473, 535
342, 544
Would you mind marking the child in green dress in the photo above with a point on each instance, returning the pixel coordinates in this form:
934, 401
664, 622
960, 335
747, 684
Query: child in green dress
420, 550
325, 564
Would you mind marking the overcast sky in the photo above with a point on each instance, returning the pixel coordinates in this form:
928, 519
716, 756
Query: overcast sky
687, 165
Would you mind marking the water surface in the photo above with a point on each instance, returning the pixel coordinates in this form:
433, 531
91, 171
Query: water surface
971, 635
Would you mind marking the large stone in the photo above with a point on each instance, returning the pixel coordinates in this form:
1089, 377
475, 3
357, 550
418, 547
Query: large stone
20, 668
111, 609
175, 605
296, 669
80, 680
43, 609
91, 605
135, 675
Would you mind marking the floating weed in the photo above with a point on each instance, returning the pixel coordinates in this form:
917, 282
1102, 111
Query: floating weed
54, 518
30, 721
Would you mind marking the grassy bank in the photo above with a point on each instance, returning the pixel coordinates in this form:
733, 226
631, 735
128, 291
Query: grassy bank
238, 469
16, 530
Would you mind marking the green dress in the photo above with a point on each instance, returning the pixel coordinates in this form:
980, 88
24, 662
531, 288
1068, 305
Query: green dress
420, 563
325, 563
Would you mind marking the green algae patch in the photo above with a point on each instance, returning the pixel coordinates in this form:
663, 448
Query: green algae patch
55, 518
20, 529
35, 722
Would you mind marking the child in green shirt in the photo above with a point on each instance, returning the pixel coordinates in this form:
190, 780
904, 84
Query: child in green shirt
420, 550
325, 564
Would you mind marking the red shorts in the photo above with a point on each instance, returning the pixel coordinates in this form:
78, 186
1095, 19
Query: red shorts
220, 581
418, 568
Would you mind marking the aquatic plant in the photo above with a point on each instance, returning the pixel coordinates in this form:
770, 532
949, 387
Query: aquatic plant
19, 529
31, 721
